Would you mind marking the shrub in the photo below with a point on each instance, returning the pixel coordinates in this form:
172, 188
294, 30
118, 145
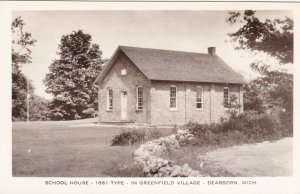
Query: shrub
286, 119
204, 133
128, 137
248, 127
91, 112
38, 110
153, 134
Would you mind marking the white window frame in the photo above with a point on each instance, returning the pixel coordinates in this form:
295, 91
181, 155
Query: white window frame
138, 107
199, 88
173, 108
123, 72
109, 107
224, 104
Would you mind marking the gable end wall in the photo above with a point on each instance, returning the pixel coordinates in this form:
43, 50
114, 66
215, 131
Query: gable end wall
119, 83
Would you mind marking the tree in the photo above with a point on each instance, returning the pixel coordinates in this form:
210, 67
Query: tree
21, 43
39, 108
71, 77
272, 37
252, 98
233, 105
273, 89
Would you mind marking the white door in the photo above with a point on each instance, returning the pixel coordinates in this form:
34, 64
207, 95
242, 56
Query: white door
124, 105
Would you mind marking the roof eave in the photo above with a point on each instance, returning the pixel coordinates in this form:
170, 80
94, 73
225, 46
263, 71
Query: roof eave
134, 63
106, 68
195, 81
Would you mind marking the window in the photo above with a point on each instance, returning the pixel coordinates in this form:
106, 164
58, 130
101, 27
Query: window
173, 96
109, 99
199, 98
123, 72
139, 97
226, 97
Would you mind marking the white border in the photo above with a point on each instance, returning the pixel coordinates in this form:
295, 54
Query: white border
9, 184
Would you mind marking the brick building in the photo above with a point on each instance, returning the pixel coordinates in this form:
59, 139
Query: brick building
166, 87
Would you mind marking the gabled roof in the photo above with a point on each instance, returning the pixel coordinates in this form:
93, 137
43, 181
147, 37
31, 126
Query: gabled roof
167, 65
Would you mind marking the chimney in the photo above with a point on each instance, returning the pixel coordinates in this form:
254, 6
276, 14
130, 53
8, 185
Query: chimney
211, 51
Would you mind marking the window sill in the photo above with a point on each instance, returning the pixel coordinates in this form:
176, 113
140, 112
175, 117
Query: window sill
173, 110
199, 109
139, 110
109, 110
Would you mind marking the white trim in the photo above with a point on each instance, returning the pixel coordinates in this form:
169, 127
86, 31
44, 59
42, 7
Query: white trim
174, 108
107, 99
123, 72
137, 98
109, 65
106, 68
199, 87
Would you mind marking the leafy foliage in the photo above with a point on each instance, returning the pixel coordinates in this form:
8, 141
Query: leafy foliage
38, 108
248, 127
252, 98
19, 94
273, 88
129, 137
276, 87
71, 77
272, 37
233, 105
21, 43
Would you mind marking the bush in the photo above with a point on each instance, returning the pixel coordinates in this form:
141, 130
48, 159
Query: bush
90, 112
286, 119
38, 110
153, 134
248, 127
128, 137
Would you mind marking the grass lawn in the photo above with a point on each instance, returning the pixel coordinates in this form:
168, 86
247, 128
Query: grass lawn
58, 149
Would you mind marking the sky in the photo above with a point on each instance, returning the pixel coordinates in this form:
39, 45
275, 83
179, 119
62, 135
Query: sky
173, 30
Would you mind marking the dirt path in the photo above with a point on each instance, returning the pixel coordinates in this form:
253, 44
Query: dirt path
261, 159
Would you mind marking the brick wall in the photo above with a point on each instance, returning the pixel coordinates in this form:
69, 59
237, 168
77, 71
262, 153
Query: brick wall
160, 103
156, 98
119, 83
186, 111
218, 109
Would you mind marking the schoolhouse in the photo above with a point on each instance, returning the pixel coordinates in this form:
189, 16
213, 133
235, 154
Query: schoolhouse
157, 86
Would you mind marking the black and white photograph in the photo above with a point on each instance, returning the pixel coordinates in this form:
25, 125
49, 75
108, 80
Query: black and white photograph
148, 93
